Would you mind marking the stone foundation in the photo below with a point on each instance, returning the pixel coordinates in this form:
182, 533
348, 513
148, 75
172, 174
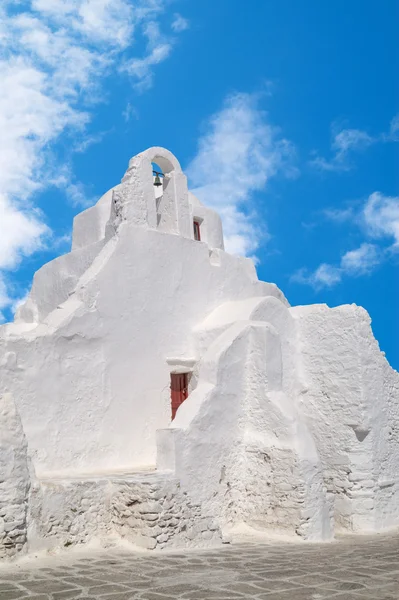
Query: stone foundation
147, 509
155, 513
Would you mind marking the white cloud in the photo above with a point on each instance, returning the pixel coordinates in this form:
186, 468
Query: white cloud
5, 299
324, 276
237, 155
53, 57
22, 232
353, 263
347, 141
339, 215
381, 217
78, 195
86, 141
129, 113
158, 49
344, 142
97, 20
75, 191
394, 129
350, 139
180, 23
360, 261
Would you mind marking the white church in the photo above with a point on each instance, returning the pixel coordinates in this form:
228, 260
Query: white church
152, 389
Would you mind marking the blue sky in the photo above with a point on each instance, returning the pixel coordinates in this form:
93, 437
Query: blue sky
284, 114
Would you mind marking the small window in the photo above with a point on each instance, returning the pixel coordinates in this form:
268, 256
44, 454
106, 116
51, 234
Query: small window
178, 390
197, 231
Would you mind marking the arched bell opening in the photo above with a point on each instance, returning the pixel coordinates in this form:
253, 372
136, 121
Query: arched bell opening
164, 194
158, 180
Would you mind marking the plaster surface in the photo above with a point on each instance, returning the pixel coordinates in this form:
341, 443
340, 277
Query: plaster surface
291, 425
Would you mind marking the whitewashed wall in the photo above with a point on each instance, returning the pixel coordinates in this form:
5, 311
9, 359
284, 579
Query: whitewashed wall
89, 350
292, 423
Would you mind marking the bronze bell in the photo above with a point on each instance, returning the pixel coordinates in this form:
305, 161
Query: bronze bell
157, 181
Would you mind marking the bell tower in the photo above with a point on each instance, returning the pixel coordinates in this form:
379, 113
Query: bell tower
160, 200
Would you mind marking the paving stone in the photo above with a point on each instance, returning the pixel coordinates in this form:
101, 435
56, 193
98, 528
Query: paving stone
48, 586
302, 594
102, 590
208, 595
276, 585
176, 590
66, 594
244, 588
7, 585
81, 581
37, 597
155, 596
361, 596
344, 586
314, 580
356, 568
120, 596
12, 595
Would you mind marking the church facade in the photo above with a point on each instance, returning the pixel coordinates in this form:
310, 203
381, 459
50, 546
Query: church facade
153, 389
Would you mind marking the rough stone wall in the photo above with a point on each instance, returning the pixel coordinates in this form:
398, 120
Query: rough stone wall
69, 512
154, 512
348, 401
387, 493
14, 480
147, 509
272, 490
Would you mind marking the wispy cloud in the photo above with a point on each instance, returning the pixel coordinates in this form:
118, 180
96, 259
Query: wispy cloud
360, 261
339, 215
378, 218
344, 143
380, 215
86, 141
179, 23
129, 113
158, 49
5, 299
324, 276
22, 232
238, 153
78, 196
355, 263
54, 57
393, 134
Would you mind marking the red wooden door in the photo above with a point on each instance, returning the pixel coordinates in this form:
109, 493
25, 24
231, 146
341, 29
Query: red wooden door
178, 389
197, 231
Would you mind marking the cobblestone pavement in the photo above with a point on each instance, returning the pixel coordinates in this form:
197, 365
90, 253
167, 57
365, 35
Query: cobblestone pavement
356, 568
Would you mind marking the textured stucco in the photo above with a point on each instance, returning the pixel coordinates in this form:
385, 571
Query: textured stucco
351, 403
14, 480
